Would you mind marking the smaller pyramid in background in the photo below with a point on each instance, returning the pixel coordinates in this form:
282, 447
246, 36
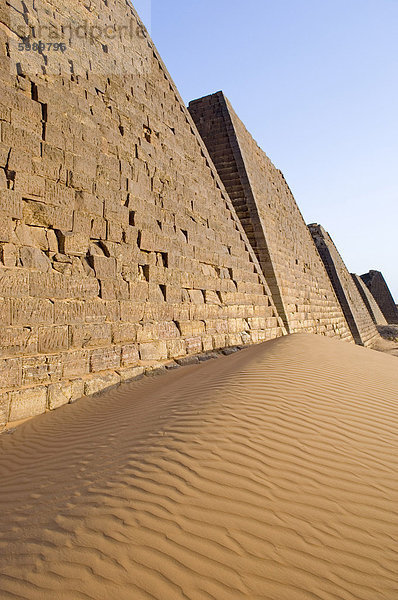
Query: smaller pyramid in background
381, 293
355, 310
370, 302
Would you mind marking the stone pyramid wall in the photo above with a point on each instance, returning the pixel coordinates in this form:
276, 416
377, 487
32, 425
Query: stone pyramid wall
357, 314
120, 248
379, 289
370, 303
272, 220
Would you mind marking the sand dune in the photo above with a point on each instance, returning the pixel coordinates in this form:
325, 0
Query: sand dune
271, 473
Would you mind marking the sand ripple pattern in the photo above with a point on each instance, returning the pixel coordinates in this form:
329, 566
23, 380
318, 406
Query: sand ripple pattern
268, 474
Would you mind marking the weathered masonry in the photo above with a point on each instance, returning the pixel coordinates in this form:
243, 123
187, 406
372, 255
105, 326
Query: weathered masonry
378, 287
272, 220
356, 312
120, 248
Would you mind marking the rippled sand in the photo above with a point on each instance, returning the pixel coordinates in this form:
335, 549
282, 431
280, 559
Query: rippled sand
271, 473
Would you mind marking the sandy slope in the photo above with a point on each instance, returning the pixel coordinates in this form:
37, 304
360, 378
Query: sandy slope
271, 473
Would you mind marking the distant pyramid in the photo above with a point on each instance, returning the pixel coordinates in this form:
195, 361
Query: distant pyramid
356, 312
370, 302
381, 293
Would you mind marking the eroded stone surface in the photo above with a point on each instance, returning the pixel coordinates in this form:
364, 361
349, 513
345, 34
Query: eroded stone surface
119, 246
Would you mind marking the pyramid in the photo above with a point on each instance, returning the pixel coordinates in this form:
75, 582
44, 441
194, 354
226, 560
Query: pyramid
379, 289
355, 310
120, 248
370, 302
272, 220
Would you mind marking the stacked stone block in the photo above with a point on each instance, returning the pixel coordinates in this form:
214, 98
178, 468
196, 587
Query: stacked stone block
358, 317
272, 220
120, 249
370, 303
379, 289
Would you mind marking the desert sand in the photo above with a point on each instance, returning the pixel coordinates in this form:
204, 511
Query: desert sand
271, 473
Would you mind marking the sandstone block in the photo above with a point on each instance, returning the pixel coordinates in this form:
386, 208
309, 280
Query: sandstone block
5, 312
17, 340
53, 338
130, 373
4, 409
47, 285
176, 348
73, 244
88, 203
98, 228
150, 242
59, 195
77, 389
153, 351
10, 372
152, 331
207, 343
98, 310
130, 355
104, 267
41, 369
233, 339
219, 340
11, 203
54, 285
52, 240
196, 296
90, 336
28, 403
75, 363
31, 311
211, 297
194, 345
20, 138
33, 258
8, 254
99, 383
131, 312
190, 328
39, 214
14, 283
114, 232
3, 180
114, 289
105, 359
158, 312
124, 332
59, 394
69, 312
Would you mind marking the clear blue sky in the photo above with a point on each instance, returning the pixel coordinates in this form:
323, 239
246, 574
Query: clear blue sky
316, 83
